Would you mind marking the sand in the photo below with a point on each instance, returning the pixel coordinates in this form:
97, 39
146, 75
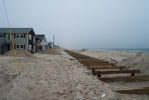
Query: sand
110, 56
56, 77
131, 61
137, 61
22, 53
50, 77
51, 51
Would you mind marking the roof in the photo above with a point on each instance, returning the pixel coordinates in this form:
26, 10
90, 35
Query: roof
15, 30
41, 36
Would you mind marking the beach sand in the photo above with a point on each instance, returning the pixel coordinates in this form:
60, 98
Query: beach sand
138, 61
56, 77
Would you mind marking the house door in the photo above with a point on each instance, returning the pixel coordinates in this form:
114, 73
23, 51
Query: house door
8, 47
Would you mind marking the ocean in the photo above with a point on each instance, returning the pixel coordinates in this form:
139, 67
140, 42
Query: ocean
134, 50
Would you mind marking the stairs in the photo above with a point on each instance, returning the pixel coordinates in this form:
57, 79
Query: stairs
100, 67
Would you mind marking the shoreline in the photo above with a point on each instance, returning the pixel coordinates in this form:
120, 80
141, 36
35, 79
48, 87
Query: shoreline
122, 50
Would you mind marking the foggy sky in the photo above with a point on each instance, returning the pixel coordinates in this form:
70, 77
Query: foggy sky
83, 23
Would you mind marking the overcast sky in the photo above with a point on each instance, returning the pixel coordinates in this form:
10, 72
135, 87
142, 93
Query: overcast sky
83, 23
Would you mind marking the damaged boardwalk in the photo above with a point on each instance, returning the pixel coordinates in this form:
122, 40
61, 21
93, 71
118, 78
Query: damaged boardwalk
101, 68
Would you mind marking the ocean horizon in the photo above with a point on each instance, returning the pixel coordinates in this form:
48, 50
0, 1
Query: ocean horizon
127, 50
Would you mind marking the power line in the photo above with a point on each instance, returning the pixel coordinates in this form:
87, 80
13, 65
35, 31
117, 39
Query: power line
11, 37
6, 13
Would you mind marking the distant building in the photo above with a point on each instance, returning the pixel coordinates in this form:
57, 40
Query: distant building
50, 45
23, 38
41, 42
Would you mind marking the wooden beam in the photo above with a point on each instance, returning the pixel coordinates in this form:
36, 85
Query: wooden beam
96, 72
93, 59
134, 91
97, 64
117, 72
125, 78
106, 67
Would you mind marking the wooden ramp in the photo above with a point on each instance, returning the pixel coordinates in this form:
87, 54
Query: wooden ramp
135, 91
125, 78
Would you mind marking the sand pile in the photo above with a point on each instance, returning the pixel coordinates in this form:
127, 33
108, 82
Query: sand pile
112, 57
19, 53
53, 77
82, 50
138, 61
52, 51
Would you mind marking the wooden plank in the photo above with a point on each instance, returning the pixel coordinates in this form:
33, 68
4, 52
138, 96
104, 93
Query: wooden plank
90, 67
82, 58
72, 59
92, 61
125, 78
106, 67
77, 55
117, 72
97, 64
96, 72
135, 91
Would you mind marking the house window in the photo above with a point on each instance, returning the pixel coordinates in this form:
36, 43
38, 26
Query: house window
21, 35
30, 47
17, 35
8, 36
17, 47
22, 46
30, 37
1, 35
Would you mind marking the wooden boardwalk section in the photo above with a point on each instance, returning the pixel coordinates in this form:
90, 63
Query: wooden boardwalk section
135, 91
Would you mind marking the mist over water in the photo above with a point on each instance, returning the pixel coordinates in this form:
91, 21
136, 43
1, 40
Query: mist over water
128, 50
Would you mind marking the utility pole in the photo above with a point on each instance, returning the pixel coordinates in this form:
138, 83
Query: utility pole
53, 40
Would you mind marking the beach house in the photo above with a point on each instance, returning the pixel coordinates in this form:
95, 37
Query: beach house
23, 38
41, 42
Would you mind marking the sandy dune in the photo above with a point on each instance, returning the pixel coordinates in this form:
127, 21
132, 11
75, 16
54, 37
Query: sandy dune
131, 61
50, 77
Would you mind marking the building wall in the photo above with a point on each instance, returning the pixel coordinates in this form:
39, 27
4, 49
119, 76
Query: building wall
6, 44
20, 41
2, 39
31, 42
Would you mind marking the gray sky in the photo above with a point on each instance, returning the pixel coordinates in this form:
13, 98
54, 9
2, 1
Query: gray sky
83, 23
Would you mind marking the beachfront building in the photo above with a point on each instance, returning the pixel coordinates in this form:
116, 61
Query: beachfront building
23, 38
41, 42
50, 45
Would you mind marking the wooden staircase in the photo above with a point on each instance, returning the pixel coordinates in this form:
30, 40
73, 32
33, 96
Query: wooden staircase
100, 67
